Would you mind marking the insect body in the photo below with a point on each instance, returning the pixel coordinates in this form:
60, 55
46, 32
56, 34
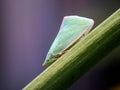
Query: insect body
72, 29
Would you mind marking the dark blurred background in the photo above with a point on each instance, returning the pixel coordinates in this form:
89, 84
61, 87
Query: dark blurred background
28, 28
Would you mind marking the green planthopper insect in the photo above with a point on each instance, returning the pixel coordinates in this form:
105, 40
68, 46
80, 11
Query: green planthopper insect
73, 28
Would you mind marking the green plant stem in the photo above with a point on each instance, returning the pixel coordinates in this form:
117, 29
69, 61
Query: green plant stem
81, 57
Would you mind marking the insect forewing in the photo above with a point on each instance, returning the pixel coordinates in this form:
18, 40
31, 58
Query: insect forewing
71, 29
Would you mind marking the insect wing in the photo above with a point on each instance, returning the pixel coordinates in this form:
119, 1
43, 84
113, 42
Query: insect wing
72, 27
